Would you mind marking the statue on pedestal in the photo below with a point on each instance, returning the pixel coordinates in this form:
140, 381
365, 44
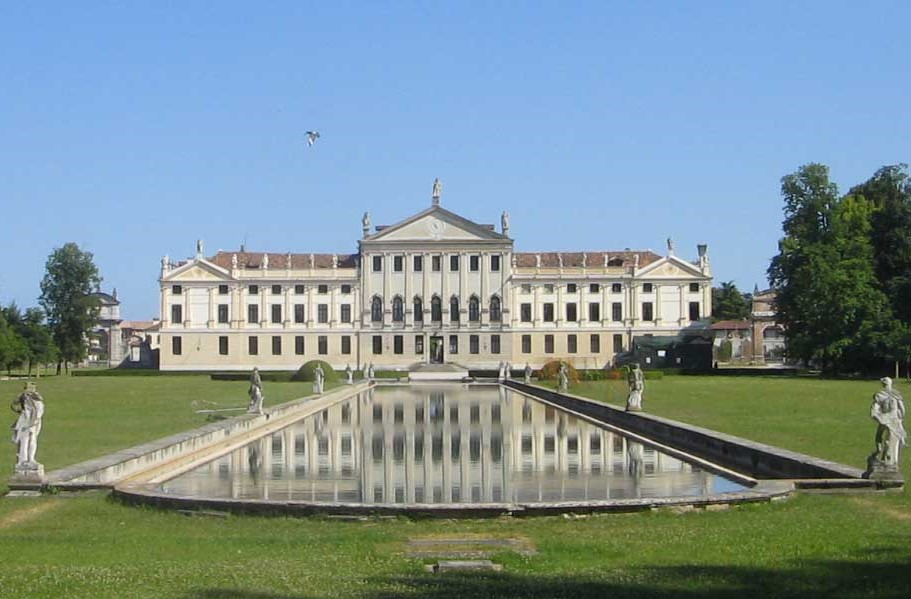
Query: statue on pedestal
318, 379
528, 372
507, 371
504, 223
29, 405
437, 192
370, 372
563, 378
501, 372
636, 382
349, 374
256, 393
888, 410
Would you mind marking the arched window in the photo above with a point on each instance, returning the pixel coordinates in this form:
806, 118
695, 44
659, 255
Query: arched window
398, 309
454, 309
436, 309
474, 309
418, 310
495, 314
376, 309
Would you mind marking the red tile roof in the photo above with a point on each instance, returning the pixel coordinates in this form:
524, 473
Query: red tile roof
593, 259
731, 325
279, 261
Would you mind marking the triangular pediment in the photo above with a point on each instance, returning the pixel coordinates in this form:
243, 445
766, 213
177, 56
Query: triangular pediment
197, 270
437, 224
670, 267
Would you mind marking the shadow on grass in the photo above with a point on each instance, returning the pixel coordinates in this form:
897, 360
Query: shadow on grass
813, 579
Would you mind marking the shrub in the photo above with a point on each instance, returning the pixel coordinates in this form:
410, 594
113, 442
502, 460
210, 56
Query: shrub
549, 371
305, 372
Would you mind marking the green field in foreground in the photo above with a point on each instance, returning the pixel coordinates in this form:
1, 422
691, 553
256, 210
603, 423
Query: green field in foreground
843, 545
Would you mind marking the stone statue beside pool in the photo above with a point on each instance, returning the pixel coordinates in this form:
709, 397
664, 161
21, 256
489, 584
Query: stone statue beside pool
528, 372
501, 372
370, 372
508, 372
636, 383
318, 379
888, 410
349, 374
256, 393
563, 378
29, 405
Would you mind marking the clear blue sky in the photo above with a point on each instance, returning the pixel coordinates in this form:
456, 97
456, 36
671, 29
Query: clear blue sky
133, 129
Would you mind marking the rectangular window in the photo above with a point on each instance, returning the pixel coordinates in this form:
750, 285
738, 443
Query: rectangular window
526, 344
298, 313
548, 312
276, 290
616, 288
647, 288
548, 344
276, 313
436, 263
474, 263
453, 344
322, 345
176, 289
322, 289
648, 311
595, 343
572, 344
494, 344
222, 290
346, 312
322, 313
176, 313
346, 289
176, 345
419, 345
398, 344
525, 312
377, 345
694, 287
223, 346
495, 263
694, 310
454, 263
616, 312
346, 344
253, 345
474, 344
298, 290
397, 263
418, 263
618, 343
377, 264
572, 314
594, 312
252, 313
299, 345
276, 345
594, 287
571, 288
253, 289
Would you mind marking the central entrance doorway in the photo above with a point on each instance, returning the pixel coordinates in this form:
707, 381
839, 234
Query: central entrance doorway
436, 350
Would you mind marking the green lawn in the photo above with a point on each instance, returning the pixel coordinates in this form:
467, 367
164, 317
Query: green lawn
843, 545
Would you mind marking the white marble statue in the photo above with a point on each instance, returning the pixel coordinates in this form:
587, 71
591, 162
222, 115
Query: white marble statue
507, 371
504, 222
265, 261
349, 374
366, 371
370, 371
288, 260
584, 260
437, 191
636, 382
528, 372
256, 393
537, 260
233, 260
563, 378
560, 259
888, 410
501, 372
318, 379
29, 405
334, 260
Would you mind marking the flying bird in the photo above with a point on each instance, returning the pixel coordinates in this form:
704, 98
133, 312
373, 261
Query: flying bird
312, 136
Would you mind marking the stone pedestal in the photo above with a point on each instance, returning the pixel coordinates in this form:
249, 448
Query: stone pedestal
29, 472
879, 470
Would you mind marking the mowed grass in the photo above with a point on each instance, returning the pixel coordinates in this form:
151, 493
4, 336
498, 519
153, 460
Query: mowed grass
845, 545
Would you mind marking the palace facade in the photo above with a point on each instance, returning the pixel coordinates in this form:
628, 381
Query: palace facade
433, 288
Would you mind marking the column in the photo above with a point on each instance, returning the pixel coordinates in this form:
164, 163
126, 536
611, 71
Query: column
536, 304
387, 287
210, 323
409, 294
684, 312
165, 305
485, 288
333, 306
463, 291
658, 311
289, 289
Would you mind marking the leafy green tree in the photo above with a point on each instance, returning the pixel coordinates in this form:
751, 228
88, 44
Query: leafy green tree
829, 299
38, 338
13, 349
728, 303
71, 312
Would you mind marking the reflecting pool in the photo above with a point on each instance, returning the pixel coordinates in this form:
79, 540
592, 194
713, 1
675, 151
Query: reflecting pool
441, 445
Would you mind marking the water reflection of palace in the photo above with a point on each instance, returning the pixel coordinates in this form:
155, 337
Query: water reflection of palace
478, 444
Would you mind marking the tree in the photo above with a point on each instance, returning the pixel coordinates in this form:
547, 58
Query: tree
13, 350
38, 338
828, 297
65, 296
729, 304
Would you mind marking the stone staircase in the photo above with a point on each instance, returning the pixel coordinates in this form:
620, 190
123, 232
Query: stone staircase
437, 372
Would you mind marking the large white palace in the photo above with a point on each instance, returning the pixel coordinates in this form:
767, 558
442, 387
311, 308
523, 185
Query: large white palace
433, 288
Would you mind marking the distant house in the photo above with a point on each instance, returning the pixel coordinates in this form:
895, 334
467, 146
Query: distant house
759, 340
733, 341
104, 340
139, 339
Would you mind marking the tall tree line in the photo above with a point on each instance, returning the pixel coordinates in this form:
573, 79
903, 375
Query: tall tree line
843, 270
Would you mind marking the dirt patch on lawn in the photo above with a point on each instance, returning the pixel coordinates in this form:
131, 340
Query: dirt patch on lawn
28, 513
